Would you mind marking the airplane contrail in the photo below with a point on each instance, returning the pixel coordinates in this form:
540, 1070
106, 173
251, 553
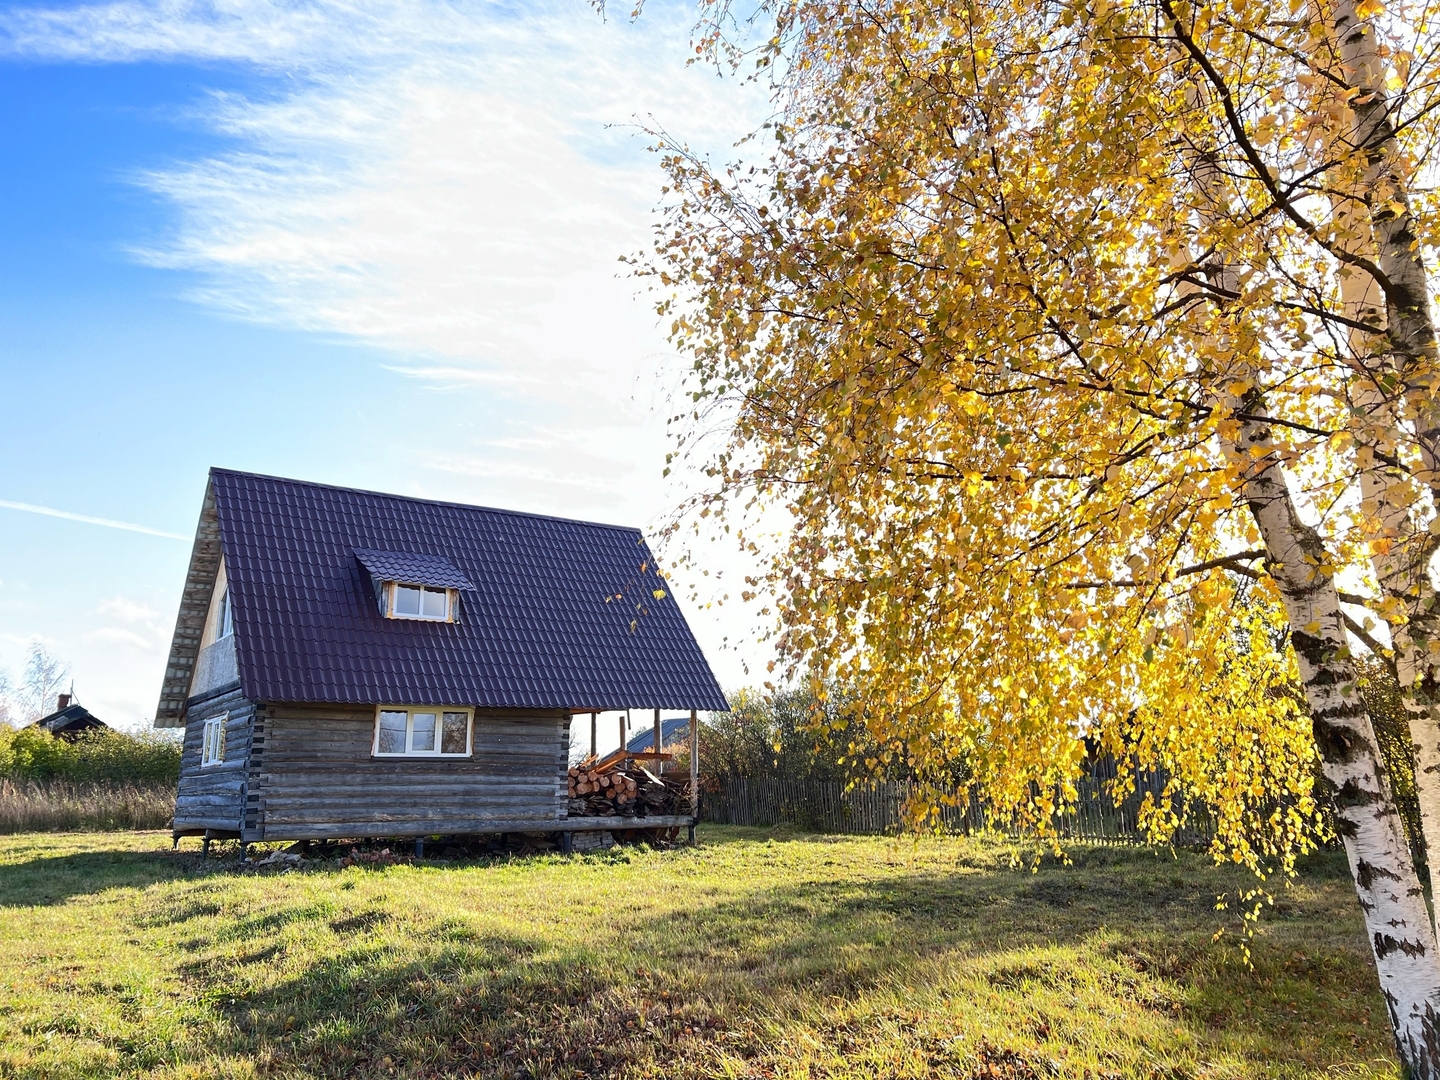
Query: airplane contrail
31, 508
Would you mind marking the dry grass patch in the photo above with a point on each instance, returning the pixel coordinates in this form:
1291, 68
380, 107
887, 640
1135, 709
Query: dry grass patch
61, 806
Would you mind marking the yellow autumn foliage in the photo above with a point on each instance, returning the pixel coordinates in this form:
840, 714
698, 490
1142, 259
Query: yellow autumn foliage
945, 326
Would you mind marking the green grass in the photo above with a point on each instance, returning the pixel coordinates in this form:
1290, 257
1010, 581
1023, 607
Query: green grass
757, 954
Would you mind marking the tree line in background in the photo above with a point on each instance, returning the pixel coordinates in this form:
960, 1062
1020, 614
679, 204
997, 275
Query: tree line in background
33, 754
797, 734
779, 734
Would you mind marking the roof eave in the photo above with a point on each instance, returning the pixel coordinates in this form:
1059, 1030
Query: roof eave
205, 556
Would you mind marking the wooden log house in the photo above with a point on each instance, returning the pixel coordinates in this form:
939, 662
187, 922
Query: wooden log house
352, 664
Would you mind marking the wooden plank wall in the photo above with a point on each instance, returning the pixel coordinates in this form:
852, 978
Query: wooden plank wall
214, 798
313, 776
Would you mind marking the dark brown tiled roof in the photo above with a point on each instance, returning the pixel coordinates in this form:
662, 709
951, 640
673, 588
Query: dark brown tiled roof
554, 613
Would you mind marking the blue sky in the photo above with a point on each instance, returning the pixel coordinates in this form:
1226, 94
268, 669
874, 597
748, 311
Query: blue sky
365, 245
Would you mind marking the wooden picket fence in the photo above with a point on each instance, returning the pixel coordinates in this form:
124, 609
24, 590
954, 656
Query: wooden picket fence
825, 806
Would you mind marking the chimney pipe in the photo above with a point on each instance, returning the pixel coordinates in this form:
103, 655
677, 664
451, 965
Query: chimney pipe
62, 702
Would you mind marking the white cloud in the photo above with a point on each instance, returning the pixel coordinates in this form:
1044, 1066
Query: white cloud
126, 610
453, 182
119, 635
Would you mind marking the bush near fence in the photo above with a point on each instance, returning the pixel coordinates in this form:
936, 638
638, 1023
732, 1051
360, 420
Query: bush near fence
100, 780
828, 806
60, 806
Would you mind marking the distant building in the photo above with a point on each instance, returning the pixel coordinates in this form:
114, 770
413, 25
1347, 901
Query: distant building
70, 719
673, 731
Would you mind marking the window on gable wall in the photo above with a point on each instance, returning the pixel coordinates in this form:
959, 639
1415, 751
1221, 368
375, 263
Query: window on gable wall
212, 741
224, 621
424, 731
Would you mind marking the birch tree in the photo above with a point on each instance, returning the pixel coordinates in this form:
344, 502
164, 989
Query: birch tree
1366, 816
1391, 340
1088, 348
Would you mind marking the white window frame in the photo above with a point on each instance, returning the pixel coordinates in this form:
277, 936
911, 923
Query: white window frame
225, 618
212, 741
439, 711
452, 598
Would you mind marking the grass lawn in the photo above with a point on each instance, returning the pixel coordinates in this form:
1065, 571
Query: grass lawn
755, 954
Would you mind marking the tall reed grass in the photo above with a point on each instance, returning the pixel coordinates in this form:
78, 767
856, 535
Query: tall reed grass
60, 806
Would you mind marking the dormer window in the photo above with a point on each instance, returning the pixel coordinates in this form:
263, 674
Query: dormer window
412, 585
406, 601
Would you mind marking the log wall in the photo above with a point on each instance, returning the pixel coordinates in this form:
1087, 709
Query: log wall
311, 775
214, 797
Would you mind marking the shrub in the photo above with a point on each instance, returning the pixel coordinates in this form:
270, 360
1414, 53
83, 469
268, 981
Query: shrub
115, 756
788, 734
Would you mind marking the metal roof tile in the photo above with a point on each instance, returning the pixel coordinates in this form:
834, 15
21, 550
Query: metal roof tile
545, 615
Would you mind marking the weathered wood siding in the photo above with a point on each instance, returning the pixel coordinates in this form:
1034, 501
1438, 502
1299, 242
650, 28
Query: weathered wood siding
190, 622
312, 775
214, 797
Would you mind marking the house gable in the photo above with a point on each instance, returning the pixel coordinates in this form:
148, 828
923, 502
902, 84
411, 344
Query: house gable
195, 599
215, 666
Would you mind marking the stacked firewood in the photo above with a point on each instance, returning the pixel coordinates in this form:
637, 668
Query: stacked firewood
593, 780
617, 785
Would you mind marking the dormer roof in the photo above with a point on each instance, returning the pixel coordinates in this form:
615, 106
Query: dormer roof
412, 568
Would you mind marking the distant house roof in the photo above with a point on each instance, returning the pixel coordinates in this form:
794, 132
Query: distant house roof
70, 721
554, 613
675, 729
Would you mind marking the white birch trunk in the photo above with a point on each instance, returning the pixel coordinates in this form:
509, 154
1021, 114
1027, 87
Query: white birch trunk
1395, 367
1399, 562
1392, 901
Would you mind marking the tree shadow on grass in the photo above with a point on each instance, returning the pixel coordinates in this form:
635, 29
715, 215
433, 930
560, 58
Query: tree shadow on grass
55, 879
862, 972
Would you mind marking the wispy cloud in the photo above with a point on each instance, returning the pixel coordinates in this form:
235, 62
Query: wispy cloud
451, 181
49, 511
120, 635
127, 610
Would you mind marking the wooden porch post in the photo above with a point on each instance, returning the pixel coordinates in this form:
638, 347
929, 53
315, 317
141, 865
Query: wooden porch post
694, 766
625, 730
655, 739
592, 734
